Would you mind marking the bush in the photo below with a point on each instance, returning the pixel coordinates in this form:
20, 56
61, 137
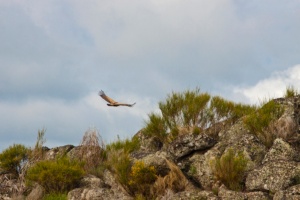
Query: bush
119, 162
260, 122
128, 145
141, 178
58, 175
230, 169
291, 92
91, 150
192, 112
12, 158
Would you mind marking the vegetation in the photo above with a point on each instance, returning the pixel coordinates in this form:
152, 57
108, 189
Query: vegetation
291, 92
174, 181
91, 150
37, 152
230, 169
56, 196
260, 121
192, 112
141, 178
12, 158
58, 175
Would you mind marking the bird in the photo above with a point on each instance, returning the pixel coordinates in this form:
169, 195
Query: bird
112, 102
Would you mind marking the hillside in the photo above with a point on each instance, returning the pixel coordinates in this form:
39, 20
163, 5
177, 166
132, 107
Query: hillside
199, 147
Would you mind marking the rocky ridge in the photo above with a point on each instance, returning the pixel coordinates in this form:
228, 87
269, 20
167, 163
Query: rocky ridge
272, 173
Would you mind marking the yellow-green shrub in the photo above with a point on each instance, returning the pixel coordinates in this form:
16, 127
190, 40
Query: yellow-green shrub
230, 169
141, 178
12, 158
58, 175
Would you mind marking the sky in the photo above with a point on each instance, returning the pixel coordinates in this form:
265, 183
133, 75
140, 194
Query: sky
55, 55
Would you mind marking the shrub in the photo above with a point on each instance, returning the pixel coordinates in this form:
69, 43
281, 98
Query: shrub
230, 169
58, 175
119, 162
141, 178
91, 150
259, 122
192, 112
12, 158
291, 92
128, 145
156, 126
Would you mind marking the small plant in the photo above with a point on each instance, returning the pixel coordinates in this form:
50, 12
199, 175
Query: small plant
58, 175
37, 153
260, 122
291, 91
12, 158
230, 169
141, 178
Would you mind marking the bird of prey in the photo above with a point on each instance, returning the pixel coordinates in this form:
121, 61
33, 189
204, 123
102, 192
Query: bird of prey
112, 102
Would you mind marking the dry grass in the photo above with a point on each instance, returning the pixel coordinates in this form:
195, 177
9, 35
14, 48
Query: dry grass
174, 181
91, 150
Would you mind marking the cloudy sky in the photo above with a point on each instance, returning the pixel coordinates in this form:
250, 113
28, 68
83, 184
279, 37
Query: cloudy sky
55, 55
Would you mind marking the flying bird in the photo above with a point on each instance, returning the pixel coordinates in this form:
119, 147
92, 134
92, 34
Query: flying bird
112, 102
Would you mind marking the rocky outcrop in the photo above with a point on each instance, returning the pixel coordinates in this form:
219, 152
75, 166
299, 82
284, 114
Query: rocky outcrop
186, 144
92, 188
271, 172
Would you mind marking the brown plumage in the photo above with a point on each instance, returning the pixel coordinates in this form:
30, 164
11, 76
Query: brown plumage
112, 102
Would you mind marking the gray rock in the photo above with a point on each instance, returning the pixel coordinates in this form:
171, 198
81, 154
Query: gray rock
292, 193
225, 194
93, 188
280, 150
36, 193
273, 176
189, 143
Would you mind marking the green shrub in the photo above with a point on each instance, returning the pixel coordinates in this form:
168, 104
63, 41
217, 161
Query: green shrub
230, 169
192, 112
12, 158
258, 122
128, 145
58, 175
156, 126
119, 162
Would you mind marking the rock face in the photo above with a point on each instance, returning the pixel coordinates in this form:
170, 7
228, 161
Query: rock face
93, 188
186, 144
271, 173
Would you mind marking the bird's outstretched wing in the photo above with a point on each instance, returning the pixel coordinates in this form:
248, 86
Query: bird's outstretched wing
106, 98
112, 102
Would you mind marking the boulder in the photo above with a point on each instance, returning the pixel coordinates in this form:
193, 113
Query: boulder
273, 176
226, 194
280, 150
292, 193
94, 188
189, 143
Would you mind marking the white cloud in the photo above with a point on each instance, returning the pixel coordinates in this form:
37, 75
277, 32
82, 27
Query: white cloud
272, 87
